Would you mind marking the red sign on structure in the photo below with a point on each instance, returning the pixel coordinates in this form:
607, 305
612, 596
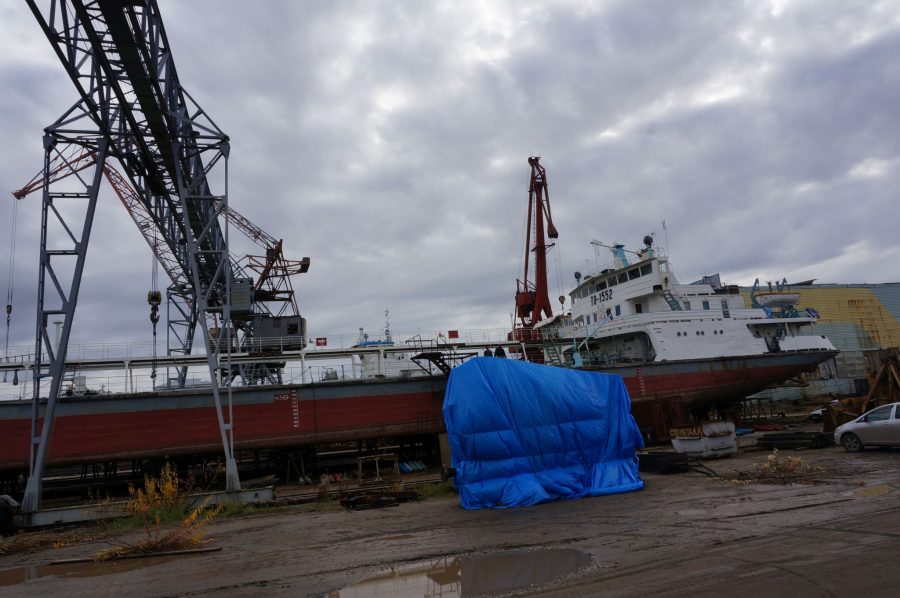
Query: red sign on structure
453, 334
321, 341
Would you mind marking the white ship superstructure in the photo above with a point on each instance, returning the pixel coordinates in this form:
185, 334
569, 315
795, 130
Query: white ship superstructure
640, 312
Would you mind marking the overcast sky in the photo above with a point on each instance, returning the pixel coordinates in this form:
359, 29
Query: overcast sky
388, 141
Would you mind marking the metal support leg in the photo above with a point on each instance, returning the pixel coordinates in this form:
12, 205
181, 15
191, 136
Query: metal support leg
54, 300
211, 276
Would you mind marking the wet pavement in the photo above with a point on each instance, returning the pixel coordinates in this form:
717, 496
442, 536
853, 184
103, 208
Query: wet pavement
684, 534
20, 575
470, 575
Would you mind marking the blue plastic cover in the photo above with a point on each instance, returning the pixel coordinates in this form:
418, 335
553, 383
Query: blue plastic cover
522, 433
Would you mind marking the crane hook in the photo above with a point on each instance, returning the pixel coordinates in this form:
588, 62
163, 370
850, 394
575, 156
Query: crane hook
154, 298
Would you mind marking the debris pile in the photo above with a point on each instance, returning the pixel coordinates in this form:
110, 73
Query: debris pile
778, 469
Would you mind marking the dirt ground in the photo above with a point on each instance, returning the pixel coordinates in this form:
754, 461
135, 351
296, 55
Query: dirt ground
684, 534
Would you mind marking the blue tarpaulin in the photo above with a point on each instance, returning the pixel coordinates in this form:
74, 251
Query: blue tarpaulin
522, 433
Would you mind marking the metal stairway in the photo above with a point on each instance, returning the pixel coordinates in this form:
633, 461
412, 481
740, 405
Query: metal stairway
553, 357
441, 354
672, 301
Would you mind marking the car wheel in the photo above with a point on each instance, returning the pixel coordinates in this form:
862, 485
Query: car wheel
851, 442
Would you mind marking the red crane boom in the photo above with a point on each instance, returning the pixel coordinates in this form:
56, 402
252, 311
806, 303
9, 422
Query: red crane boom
532, 298
274, 270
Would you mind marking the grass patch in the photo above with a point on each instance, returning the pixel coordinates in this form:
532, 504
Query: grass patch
436, 490
162, 501
331, 506
31, 541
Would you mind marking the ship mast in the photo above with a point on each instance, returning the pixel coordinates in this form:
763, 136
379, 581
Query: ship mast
532, 298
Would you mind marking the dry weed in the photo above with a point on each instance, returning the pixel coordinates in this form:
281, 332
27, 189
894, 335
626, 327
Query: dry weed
162, 499
779, 469
188, 534
27, 542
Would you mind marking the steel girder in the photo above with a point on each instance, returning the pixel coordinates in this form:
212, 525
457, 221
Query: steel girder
134, 108
274, 270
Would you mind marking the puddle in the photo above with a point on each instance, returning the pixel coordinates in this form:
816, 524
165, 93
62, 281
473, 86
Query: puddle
11, 577
476, 575
879, 490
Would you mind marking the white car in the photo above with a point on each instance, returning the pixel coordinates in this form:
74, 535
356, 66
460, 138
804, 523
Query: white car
878, 427
818, 415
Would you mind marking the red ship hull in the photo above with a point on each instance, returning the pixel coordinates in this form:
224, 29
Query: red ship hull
121, 427
110, 428
662, 392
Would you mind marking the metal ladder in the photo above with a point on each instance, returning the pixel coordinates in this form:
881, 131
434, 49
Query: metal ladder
672, 301
552, 353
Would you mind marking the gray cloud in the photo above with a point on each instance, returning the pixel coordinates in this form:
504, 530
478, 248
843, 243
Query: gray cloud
388, 142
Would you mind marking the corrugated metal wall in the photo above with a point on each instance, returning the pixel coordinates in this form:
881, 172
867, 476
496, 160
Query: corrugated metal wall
889, 294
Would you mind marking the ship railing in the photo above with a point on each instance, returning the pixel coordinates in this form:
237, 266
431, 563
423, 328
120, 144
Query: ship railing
113, 382
127, 349
84, 352
600, 358
596, 328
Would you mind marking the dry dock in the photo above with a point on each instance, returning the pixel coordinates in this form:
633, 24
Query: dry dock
684, 534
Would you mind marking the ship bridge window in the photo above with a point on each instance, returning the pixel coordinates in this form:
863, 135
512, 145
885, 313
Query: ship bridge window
613, 282
706, 305
646, 269
601, 285
635, 273
623, 277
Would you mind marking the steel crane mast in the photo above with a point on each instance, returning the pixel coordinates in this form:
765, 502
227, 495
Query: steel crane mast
131, 107
532, 298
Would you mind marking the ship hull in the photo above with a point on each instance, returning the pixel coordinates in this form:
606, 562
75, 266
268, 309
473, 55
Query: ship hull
703, 382
153, 425
663, 393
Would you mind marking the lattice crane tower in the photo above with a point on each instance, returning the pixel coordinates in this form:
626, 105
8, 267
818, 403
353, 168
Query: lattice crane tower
132, 107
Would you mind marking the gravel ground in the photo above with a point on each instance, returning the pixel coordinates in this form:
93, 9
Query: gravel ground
836, 533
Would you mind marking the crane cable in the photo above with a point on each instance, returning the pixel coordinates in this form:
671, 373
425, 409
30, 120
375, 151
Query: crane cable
154, 298
10, 282
559, 278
